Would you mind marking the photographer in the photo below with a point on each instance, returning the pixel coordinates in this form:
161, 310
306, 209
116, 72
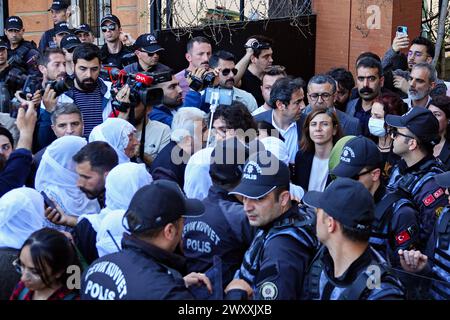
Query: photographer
153, 135
147, 52
21, 52
223, 63
90, 93
18, 162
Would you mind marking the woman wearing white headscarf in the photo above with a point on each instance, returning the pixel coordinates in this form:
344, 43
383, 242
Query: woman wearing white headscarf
121, 184
21, 214
120, 135
57, 177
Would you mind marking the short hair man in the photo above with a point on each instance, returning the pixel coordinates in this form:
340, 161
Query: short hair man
369, 80
395, 225
113, 51
60, 12
147, 259
421, 50
198, 52
24, 53
171, 103
84, 33
274, 265
345, 213
422, 80
256, 61
415, 134
224, 63
322, 94
269, 77
147, 52
287, 103
90, 93
187, 130
345, 84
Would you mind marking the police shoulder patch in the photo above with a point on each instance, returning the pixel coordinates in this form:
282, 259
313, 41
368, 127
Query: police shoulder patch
268, 291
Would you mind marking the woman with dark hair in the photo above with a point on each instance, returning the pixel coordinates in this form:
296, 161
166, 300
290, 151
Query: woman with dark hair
440, 106
320, 132
43, 264
386, 103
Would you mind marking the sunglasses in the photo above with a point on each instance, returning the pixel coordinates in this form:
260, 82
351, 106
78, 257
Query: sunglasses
226, 72
394, 134
111, 27
150, 54
71, 50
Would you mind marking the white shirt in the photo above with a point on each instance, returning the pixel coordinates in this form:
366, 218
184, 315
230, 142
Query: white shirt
197, 180
408, 101
290, 136
246, 98
319, 174
259, 110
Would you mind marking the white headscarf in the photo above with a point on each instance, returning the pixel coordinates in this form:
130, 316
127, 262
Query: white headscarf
56, 176
21, 214
115, 131
109, 242
121, 184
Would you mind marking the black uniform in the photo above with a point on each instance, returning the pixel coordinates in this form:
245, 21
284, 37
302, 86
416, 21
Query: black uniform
321, 284
47, 40
140, 271
26, 56
223, 230
117, 59
252, 84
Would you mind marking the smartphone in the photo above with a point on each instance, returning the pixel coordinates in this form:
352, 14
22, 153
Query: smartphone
402, 31
47, 201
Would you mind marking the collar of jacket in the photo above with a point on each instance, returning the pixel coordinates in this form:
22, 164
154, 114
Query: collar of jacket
218, 192
164, 257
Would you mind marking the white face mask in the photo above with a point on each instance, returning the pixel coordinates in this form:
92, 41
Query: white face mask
376, 127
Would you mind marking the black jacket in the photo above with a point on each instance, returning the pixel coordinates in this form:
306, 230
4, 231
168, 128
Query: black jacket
444, 156
140, 271
303, 165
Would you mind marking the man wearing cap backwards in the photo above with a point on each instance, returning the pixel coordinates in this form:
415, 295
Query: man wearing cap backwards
435, 261
343, 267
113, 51
60, 13
24, 53
274, 266
147, 51
395, 225
84, 33
415, 134
147, 267
223, 230
68, 45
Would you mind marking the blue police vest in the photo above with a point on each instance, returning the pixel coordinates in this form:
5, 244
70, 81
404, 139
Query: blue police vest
441, 266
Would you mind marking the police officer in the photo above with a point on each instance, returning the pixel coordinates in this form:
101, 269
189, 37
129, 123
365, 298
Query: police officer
10, 75
84, 33
343, 267
60, 13
21, 52
223, 230
436, 259
147, 267
395, 225
275, 264
61, 30
147, 52
415, 134
68, 45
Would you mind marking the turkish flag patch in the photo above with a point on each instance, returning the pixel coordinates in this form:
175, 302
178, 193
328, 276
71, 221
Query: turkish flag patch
438, 193
428, 200
402, 237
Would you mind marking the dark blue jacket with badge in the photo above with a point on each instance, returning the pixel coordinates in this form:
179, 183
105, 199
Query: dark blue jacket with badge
278, 257
223, 230
140, 271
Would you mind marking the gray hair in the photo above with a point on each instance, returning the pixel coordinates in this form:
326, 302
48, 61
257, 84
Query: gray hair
65, 108
184, 121
322, 79
431, 70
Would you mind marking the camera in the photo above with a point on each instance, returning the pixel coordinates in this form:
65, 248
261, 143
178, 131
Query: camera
256, 45
8, 105
197, 84
60, 86
219, 96
15, 80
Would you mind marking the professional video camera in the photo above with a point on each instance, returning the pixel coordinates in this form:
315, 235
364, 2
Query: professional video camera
140, 87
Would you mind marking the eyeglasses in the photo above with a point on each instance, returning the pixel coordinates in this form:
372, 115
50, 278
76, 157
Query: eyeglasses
226, 72
395, 133
20, 269
111, 27
316, 96
356, 177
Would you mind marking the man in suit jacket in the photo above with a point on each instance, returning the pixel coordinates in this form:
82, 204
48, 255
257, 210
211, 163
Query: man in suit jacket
287, 102
322, 94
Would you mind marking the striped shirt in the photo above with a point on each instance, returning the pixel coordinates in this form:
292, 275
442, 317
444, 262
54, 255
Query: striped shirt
90, 105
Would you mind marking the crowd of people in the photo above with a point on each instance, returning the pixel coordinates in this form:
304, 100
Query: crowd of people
225, 180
